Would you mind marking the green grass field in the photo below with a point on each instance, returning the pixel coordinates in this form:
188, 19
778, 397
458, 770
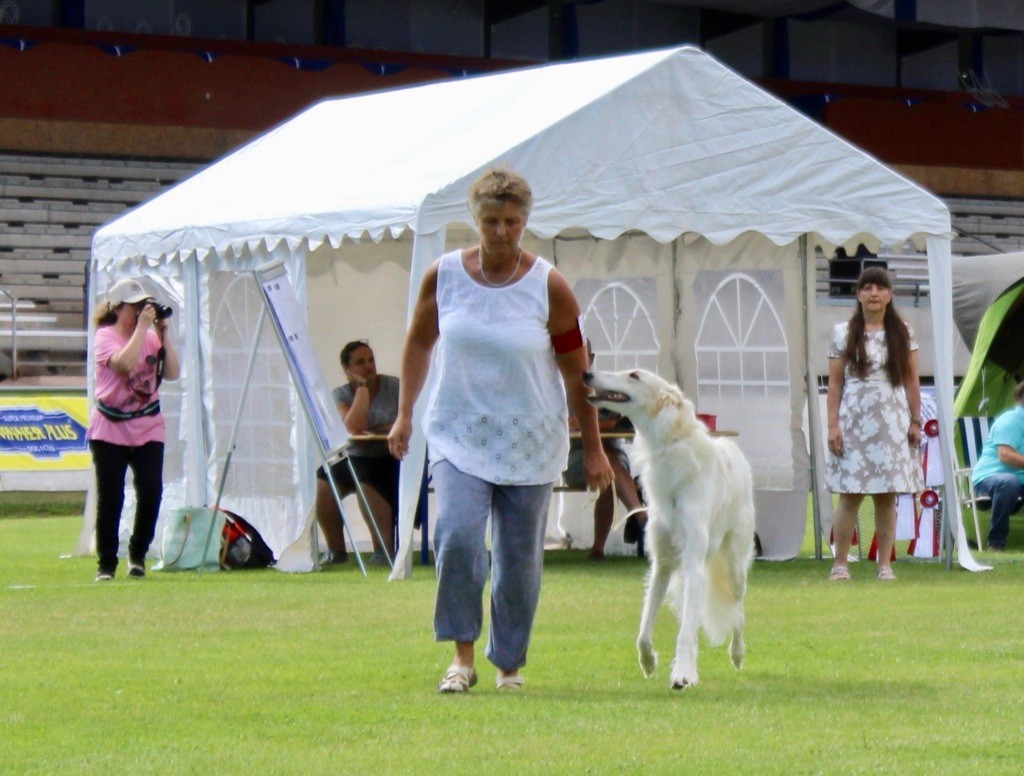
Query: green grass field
265, 672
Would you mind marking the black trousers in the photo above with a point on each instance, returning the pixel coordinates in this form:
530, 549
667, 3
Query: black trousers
111, 463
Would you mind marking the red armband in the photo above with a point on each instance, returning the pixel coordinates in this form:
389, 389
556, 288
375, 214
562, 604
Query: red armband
568, 341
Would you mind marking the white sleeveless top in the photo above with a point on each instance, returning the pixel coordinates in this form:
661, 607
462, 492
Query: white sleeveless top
497, 409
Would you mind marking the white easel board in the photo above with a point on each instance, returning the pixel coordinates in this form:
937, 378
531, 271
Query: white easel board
293, 333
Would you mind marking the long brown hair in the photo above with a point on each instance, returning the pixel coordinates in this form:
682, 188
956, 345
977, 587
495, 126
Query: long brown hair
106, 315
897, 335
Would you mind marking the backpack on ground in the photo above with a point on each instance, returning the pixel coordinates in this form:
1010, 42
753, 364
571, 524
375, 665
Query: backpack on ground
242, 546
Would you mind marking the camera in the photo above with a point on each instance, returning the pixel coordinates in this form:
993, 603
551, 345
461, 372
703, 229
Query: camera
162, 311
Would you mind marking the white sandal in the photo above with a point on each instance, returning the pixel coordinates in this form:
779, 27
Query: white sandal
510, 681
457, 679
839, 574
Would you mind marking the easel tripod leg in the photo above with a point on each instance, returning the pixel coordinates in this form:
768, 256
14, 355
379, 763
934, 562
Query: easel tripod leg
341, 511
369, 511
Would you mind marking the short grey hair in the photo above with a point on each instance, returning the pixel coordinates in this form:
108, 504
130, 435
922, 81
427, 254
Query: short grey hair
498, 186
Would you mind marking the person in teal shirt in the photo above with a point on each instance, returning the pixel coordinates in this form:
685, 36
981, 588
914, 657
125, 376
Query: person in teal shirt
999, 472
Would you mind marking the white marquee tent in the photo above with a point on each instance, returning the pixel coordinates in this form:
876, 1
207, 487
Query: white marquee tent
681, 201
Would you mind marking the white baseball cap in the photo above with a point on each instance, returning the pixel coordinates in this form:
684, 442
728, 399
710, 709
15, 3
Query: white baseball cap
128, 291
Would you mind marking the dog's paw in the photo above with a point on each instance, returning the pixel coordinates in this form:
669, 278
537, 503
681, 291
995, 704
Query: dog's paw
648, 659
683, 679
736, 652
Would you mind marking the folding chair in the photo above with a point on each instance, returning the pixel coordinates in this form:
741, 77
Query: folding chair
973, 433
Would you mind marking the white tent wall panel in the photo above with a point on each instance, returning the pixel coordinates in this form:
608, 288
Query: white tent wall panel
770, 421
358, 291
587, 262
263, 483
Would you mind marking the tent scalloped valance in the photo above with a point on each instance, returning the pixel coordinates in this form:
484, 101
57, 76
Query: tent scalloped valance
312, 242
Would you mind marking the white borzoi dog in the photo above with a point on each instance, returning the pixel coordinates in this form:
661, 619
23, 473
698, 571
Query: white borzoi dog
700, 508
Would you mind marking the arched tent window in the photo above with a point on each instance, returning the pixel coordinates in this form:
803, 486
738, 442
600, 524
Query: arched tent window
620, 324
743, 367
262, 462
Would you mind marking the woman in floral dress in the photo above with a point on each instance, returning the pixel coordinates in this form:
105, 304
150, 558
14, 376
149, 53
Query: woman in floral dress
874, 418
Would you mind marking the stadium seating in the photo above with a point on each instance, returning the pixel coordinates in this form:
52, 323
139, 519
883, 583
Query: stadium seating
50, 206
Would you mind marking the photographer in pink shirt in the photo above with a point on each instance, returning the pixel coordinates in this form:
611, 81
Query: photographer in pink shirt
133, 355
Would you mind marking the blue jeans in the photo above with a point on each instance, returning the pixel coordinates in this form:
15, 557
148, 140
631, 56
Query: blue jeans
518, 516
1005, 491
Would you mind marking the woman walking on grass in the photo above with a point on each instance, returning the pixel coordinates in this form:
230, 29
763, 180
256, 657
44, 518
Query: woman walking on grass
507, 329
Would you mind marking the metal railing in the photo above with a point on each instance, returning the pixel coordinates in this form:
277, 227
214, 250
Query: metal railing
14, 330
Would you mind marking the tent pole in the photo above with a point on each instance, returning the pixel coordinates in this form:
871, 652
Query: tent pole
813, 410
199, 448
940, 279
426, 247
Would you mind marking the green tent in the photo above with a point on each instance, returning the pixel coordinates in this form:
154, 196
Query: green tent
988, 307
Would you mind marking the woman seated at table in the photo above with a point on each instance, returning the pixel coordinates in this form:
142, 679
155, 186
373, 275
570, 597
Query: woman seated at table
625, 486
368, 404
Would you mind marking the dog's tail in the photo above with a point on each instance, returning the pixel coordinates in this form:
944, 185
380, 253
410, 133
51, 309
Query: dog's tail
723, 607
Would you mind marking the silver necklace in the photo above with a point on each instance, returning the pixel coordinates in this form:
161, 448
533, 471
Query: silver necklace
507, 280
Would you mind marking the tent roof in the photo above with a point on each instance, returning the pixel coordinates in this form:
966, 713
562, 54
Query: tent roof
977, 282
665, 142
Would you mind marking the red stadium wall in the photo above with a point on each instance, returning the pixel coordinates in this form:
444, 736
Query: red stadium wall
944, 141
943, 134
65, 91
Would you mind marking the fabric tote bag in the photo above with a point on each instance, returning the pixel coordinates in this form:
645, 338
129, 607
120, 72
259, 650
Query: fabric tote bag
184, 536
